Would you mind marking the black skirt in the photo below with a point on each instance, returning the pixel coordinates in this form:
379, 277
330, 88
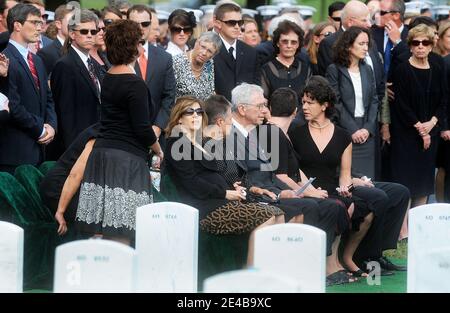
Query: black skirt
115, 184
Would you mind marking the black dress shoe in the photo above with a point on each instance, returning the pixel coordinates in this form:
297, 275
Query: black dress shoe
383, 272
386, 264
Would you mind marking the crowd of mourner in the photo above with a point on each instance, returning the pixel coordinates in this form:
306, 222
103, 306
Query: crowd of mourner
341, 125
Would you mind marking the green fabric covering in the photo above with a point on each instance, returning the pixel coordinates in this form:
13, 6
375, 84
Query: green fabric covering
40, 236
30, 178
46, 166
157, 196
168, 189
217, 254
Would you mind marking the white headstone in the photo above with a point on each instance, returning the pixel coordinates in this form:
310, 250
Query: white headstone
11, 258
94, 265
167, 247
429, 235
297, 251
250, 281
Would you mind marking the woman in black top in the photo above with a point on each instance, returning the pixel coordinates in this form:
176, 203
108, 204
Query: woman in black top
323, 149
417, 116
116, 179
285, 69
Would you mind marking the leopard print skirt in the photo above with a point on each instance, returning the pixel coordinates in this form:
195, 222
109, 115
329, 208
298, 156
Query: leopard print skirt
237, 218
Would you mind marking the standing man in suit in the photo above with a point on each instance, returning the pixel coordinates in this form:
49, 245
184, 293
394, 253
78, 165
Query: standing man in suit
32, 118
236, 62
74, 81
5, 6
53, 52
154, 65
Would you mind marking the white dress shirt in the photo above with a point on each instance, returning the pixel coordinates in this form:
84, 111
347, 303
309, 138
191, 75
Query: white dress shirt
227, 46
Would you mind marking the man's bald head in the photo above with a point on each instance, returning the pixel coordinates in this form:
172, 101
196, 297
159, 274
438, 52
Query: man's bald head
355, 13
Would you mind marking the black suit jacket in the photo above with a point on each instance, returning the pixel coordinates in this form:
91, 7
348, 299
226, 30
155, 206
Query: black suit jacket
76, 101
378, 37
246, 69
160, 81
51, 54
4, 40
30, 109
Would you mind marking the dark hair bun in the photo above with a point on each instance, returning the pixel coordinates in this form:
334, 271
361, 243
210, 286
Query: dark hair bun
192, 19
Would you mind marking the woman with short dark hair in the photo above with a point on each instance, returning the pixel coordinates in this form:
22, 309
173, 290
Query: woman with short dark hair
285, 69
116, 180
357, 103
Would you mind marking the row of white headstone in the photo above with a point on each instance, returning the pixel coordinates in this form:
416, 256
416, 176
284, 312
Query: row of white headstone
288, 257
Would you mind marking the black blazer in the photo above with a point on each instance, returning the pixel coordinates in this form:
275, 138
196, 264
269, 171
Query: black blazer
76, 101
30, 109
198, 182
4, 115
160, 81
228, 75
341, 82
51, 54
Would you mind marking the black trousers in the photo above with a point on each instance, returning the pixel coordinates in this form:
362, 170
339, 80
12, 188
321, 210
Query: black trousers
391, 202
329, 214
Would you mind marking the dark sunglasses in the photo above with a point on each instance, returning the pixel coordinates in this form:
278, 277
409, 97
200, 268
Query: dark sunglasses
108, 22
424, 43
336, 19
145, 24
387, 12
326, 34
233, 23
191, 111
86, 31
101, 29
178, 30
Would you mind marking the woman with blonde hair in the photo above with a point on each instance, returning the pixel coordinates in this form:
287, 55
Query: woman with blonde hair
319, 32
443, 45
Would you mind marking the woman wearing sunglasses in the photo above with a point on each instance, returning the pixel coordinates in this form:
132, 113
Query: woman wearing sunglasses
98, 52
194, 70
417, 115
181, 26
197, 177
319, 32
285, 69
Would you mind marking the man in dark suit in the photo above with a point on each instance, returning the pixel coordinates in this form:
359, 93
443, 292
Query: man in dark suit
53, 52
74, 82
32, 118
154, 65
236, 62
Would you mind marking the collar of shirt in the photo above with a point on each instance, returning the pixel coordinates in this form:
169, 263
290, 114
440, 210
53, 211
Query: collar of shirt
22, 50
386, 36
227, 45
173, 49
240, 128
280, 65
61, 40
82, 56
146, 46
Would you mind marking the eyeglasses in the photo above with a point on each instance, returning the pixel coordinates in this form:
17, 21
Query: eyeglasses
86, 31
191, 111
233, 23
101, 29
382, 13
178, 30
325, 34
36, 22
336, 19
260, 106
285, 42
424, 43
145, 24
